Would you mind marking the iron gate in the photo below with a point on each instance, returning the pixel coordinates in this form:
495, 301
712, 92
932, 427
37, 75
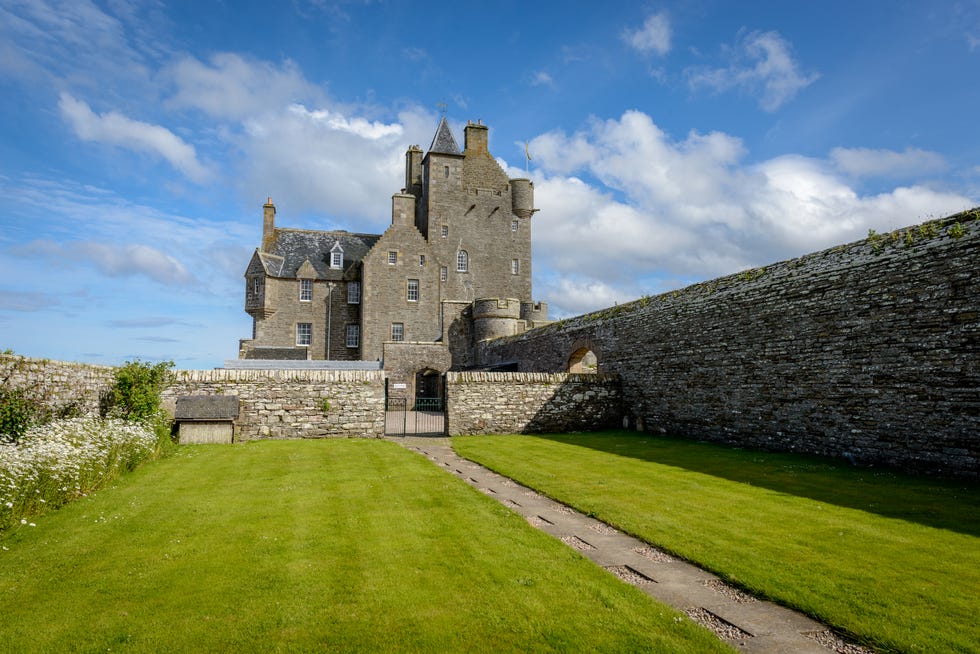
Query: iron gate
425, 416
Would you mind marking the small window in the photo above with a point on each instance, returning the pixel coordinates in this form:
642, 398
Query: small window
443, 274
515, 266
306, 290
353, 292
256, 286
446, 168
397, 331
392, 257
462, 261
413, 290
445, 231
337, 256
514, 225
353, 335
304, 333
421, 261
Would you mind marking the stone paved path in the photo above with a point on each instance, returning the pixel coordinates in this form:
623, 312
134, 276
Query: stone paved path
749, 624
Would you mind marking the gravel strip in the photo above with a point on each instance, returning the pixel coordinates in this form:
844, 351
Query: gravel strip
732, 593
603, 529
832, 641
512, 502
538, 521
564, 510
722, 628
629, 575
655, 555
577, 543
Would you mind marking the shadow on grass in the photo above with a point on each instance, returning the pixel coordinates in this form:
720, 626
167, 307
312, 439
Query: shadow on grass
943, 503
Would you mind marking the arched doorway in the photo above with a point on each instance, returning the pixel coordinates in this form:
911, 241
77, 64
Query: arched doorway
429, 390
583, 361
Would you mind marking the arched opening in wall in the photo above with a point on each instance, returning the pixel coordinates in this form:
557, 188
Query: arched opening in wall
583, 361
430, 390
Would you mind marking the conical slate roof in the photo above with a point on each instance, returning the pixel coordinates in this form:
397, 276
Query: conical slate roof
444, 142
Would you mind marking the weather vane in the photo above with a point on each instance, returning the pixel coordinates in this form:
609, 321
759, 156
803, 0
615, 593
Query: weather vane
442, 107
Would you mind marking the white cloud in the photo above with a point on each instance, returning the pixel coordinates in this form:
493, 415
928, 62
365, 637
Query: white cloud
234, 87
114, 261
115, 129
972, 42
654, 36
692, 208
542, 78
865, 162
761, 64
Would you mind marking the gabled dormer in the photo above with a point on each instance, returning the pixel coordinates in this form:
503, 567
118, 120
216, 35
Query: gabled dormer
337, 256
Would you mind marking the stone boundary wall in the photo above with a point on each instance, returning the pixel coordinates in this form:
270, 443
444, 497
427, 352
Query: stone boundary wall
516, 403
281, 404
868, 351
58, 383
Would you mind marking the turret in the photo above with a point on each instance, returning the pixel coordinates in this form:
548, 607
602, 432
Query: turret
496, 317
268, 225
522, 197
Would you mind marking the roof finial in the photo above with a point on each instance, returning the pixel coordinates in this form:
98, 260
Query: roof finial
442, 107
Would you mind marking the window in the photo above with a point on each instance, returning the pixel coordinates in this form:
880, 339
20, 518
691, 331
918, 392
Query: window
445, 231
256, 286
443, 274
413, 290
306, 290
513, 225
515, 266
446, 168
353, 292
353, 335
397, 331
462, 261
304, 333
392, 257
337, 256
421, 261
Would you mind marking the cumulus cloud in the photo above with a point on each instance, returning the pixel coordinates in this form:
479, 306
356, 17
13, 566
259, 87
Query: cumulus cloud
760, 63
865, 162
653, 36
234, 87
114, 261
115, 129
624, 205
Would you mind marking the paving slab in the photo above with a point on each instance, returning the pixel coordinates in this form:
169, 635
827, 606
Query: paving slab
749, 624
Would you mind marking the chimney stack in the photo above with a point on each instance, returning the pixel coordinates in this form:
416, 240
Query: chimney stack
268, 225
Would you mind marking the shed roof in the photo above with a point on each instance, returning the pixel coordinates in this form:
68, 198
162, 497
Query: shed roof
207, 408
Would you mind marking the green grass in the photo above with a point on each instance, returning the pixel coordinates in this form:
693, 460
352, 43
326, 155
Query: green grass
340, 545
892, 560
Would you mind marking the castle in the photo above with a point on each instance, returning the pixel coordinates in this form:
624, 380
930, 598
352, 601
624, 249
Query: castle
452, 269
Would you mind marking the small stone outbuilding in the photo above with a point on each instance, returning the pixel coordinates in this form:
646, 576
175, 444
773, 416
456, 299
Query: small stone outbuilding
206, 418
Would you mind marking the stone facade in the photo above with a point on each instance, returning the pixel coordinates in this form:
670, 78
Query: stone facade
460, 232
524, 403
867, 351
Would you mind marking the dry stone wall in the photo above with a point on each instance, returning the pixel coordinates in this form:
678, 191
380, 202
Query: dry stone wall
520, 403
58, 384
869, 351
280, 404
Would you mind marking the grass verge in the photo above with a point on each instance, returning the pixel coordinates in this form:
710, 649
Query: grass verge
891, 560
341, 545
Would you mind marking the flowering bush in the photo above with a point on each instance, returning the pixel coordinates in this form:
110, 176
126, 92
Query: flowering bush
55, 463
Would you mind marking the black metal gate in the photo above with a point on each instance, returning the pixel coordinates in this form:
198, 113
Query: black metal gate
425, 416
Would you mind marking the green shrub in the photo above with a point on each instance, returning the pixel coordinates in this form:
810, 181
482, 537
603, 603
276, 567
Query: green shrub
135, 395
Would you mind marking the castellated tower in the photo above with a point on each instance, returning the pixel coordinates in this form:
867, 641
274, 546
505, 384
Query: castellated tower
453, 268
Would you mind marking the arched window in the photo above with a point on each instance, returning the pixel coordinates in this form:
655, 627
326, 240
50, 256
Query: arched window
462, 261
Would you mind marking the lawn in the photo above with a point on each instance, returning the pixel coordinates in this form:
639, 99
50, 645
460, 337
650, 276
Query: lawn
892, 560
339, 545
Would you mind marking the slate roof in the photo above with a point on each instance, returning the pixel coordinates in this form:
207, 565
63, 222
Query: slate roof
207, 408
444, 142
294, 246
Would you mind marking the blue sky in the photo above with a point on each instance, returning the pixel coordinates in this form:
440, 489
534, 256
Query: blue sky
670, 142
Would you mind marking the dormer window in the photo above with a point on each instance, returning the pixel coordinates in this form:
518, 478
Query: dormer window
337, 256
